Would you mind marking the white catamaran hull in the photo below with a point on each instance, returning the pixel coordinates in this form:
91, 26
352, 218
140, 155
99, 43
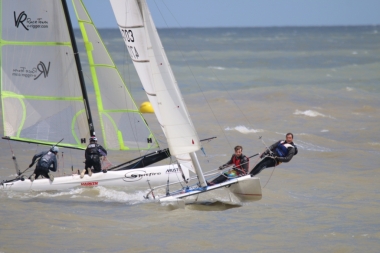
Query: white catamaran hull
142, 177
245, 188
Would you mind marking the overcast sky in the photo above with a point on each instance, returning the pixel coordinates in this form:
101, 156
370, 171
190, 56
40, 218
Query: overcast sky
248, 13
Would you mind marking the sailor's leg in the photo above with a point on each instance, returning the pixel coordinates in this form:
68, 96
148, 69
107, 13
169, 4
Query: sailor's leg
40, 171
86, 167
89, 171
265, 163
97, 167
219, 179
45, 174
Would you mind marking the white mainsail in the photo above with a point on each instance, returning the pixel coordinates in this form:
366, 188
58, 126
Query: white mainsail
41, 94
122, 125
148, 56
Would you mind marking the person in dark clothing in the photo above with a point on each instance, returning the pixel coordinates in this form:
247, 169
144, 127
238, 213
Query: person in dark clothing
47, 161
240, 167
279, 152
92, 154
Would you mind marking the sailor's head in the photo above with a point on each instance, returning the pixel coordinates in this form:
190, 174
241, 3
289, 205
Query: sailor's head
54, 149
238, 150
289, 138
93, 139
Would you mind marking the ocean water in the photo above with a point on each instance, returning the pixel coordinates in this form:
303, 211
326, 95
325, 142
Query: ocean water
320, 83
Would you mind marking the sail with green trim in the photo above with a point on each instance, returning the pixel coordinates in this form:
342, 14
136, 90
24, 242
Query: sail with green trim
122, 125
41, 96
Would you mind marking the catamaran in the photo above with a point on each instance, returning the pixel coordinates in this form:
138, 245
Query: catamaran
149, 58
44, 97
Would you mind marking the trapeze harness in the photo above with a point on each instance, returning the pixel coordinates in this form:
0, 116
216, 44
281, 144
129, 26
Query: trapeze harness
94, 152
46, 160
282, 149
238, 167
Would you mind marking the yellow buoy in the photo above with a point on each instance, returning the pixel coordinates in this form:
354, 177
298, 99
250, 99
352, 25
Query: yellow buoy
146, 107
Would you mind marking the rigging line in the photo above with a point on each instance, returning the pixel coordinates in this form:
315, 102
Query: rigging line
196, 80
270, 174
14, 159
213, 71
128, 86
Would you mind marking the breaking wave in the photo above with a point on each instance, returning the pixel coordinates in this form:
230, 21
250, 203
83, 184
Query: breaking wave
216, 67
244, 130
311, 113
113, 195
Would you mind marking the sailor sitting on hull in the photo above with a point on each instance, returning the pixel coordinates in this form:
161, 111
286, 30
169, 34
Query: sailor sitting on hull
92, 154
281, 151
48, 161
240, 168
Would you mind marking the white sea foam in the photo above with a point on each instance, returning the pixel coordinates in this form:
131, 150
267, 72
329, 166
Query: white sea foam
349, 89
28, 195
216, 67
113, 195
324, 131
309, 113
374, 143
244, 130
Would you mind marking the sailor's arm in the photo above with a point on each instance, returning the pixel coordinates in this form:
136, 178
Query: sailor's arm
271, 148
102, 151
35, 157
53, 166
244, 164
226, 164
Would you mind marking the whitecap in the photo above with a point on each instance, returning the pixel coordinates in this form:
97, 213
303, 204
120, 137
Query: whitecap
244, 130
354, 52
324, 131
216, 67
113, 195
349, 89
309, 113
47, 194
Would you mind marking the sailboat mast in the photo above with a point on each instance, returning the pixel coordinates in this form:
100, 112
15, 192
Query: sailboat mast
79, 67
198, 169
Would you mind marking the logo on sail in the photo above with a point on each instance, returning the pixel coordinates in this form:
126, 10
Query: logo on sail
20, 19
40, 70
23, 20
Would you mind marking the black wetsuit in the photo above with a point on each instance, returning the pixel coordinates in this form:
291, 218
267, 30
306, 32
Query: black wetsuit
92, 154
283, 152
47, 161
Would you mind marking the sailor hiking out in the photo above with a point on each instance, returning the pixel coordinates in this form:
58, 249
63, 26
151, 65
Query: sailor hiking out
47, 161
240, 167
277, 153
93, 154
